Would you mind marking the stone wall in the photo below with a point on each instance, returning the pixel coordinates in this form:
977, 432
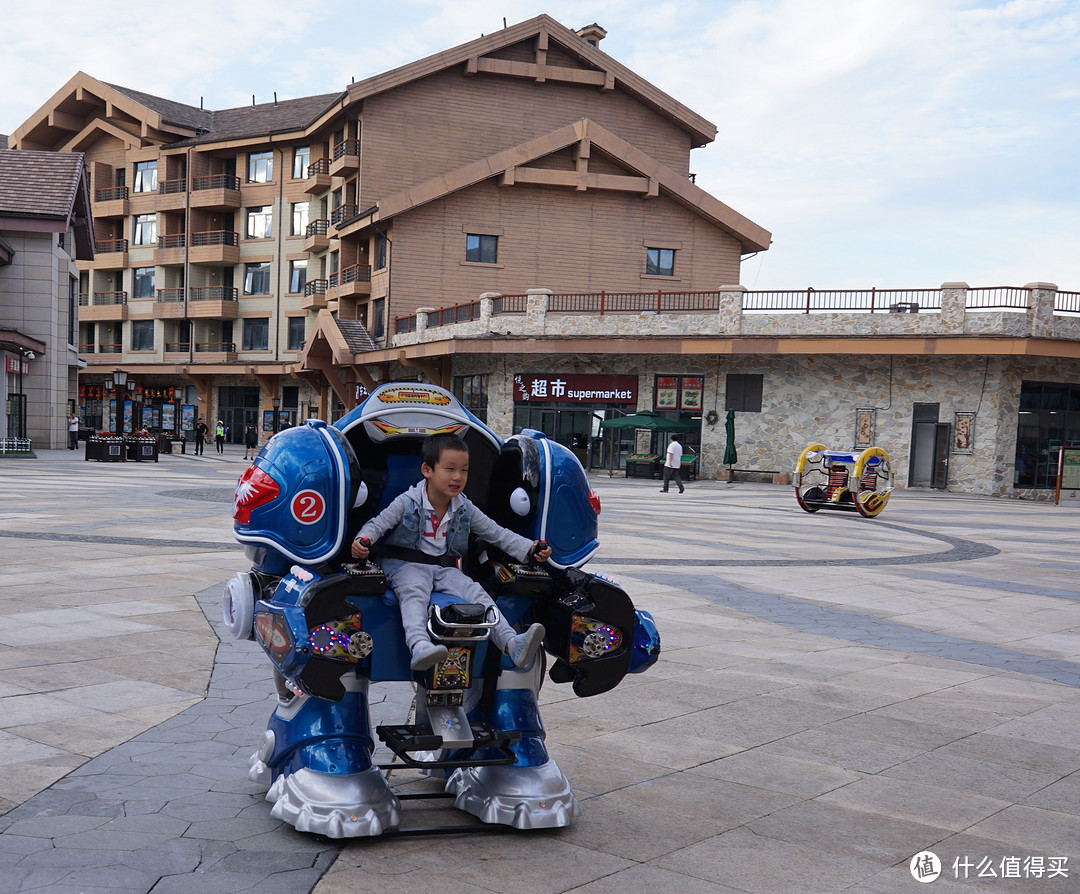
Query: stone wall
807, 398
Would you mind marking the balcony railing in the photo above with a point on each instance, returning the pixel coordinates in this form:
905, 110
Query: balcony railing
84, 299
110, 194
214, 293
356, 273
319, 166
172, 187
171, 240
808, 301
1067, 303
108, 246
177, 347
343, 213
215, 237
997, 298
170, 295
85, 348
216, 181
215, 347
315, 287
346, 147
317, 228
103, 299
110, 347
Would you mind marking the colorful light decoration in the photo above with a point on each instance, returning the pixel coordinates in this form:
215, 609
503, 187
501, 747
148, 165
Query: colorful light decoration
340, 640
592, 639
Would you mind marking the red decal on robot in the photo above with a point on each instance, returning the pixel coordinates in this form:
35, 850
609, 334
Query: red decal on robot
253, 489
308, 507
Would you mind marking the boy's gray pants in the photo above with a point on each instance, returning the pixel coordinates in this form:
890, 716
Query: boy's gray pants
413, 584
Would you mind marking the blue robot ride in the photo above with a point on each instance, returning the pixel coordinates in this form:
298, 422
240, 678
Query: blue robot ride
331, 627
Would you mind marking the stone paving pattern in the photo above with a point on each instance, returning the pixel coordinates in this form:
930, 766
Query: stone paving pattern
835, 695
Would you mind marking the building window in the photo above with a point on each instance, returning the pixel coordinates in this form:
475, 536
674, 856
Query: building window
300, 161
73, 311
378, 311
260, 167
481, 249
256, 334
296, 333
145, 230
299, 219
260, 222
1049, 418
660, 261
297, 276
142, 335
257, 278
472, 392
743, 393
145, 176
143, 286
380, 251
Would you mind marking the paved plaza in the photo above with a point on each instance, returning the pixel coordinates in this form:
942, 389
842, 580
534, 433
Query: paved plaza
835, 695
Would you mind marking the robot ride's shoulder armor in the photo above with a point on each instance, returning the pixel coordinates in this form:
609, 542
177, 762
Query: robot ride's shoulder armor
295, 498
555, 487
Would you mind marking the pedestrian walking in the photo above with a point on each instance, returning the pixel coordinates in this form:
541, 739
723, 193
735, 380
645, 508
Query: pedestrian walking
201, 431
219, 436
672, 465
251, 440
73, 431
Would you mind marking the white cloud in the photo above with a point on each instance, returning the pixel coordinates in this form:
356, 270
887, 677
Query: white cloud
883, 143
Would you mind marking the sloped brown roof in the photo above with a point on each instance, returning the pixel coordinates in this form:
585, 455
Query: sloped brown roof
268, 117
170, 111
244, 121
39, 184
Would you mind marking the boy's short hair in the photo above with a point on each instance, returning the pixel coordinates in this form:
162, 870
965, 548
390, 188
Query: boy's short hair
435, 445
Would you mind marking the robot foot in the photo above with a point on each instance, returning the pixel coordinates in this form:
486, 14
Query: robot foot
338, 806
522, 797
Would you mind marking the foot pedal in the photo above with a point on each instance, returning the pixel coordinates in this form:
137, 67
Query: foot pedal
402, 739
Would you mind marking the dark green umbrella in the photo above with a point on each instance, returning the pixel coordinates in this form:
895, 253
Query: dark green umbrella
649, 421
731, 455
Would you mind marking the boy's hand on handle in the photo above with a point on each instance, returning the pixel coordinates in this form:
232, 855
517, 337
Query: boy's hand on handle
361, 547
540, 551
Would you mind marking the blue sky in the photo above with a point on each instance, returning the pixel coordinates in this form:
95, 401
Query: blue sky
888, 143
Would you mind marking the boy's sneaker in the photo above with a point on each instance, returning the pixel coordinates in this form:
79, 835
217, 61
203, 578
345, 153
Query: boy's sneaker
425, 655
522, 648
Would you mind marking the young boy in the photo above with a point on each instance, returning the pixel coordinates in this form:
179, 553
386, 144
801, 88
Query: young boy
429, 527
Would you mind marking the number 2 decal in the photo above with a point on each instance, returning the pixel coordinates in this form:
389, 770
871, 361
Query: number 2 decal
308, 507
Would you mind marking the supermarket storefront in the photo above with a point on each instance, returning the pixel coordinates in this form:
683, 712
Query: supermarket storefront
570, 408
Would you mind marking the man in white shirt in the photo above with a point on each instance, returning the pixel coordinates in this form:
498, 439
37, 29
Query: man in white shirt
672, 465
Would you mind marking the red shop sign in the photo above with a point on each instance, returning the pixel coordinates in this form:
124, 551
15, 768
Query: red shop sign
571, 389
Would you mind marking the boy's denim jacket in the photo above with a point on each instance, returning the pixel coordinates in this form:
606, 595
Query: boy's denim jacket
403, 522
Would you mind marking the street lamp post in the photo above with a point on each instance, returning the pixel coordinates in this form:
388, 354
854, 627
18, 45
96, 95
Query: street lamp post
119, 383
